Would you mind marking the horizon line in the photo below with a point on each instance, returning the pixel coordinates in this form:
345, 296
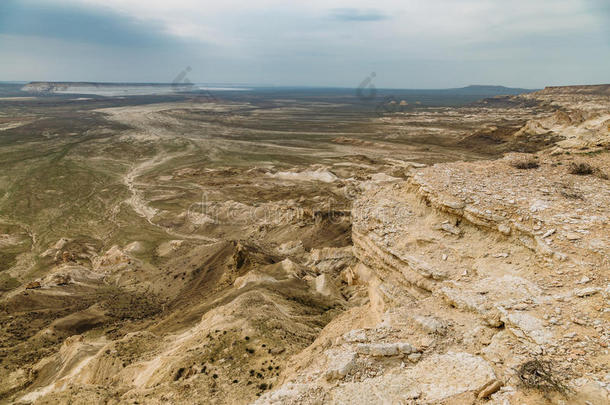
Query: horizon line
260, 86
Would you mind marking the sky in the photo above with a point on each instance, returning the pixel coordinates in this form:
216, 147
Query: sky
405, 43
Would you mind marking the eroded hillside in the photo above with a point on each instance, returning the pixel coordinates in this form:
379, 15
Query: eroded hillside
280, 251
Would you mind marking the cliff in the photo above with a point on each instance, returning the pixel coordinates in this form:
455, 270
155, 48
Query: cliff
104, 88
486, 280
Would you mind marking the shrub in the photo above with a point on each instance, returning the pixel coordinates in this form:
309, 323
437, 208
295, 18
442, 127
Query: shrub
573, 195
525, 164
581, 169
539, 374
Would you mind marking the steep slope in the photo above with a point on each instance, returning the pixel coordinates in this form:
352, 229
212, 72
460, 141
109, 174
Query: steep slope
486, 280
234, 260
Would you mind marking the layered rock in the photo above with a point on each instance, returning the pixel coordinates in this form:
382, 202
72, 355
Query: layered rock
474, 270
444, 284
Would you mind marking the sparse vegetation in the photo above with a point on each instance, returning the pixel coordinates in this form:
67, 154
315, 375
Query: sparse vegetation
126, 305
585, 169
525, 164
7, 282
7, 260
539, 375
572, 195
581, 169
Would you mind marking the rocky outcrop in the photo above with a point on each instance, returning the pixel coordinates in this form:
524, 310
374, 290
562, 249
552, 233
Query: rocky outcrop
374, 281
581, 117
474, 269
105, 89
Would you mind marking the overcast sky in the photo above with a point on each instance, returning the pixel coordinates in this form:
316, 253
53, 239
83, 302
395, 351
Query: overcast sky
407, 43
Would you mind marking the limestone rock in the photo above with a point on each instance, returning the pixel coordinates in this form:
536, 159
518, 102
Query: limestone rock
385, 349
527, 326
432, 380
340, 363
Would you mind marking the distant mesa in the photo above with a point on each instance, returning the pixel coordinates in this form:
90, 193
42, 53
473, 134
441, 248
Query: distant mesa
488, 90
596, 89
105, 89
130, 89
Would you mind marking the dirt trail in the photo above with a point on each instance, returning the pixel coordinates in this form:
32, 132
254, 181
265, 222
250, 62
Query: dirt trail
140, 205
145, 120
136, 201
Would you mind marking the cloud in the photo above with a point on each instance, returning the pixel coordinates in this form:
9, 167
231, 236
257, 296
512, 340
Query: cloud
409, 43
601, 9
353, 14
80, 23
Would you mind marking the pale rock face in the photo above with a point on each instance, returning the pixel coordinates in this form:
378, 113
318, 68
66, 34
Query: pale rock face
61, 243
606, 292
355, 336
414, 357
385, 349
446, 375
166, 248
134, 247
387, 389
430, 324
289, 393
326, 286
289, 267
324, 176
114, 260
293, 247
253, 277
383, 178
480, 297
527, 326
434, 379
504, 229
319, 255
340, 363
469, 248
328, 260
585, 292
539, 205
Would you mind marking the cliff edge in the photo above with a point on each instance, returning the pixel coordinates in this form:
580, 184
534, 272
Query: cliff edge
487, 281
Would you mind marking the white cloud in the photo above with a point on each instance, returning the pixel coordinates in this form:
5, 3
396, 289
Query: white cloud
306, 39
412, 26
